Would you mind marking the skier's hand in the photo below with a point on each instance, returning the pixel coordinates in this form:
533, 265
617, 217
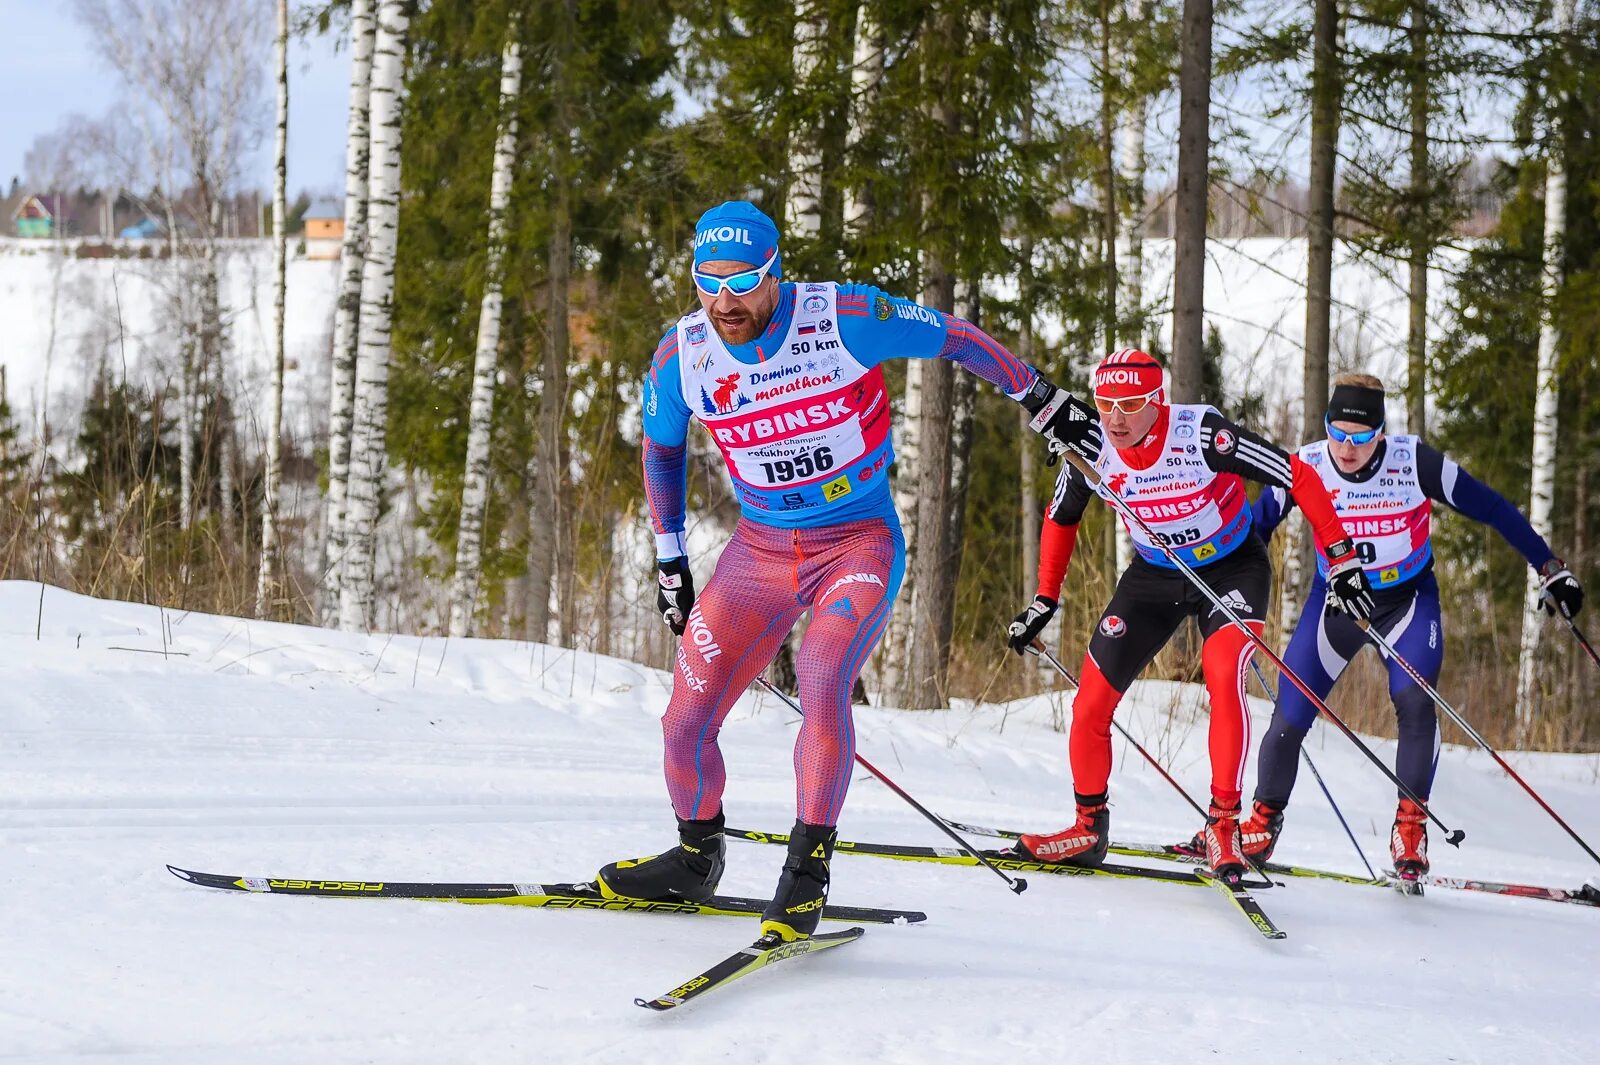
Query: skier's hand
1349, 591
674, 592
1065, 421
1559, 589
1027, 626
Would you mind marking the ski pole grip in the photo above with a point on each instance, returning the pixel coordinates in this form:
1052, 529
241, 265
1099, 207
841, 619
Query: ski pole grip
1083, 466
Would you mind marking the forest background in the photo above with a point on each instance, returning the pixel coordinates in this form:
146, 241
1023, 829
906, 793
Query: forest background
522, 184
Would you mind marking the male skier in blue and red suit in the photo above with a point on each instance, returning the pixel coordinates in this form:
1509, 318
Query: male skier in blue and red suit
787, 379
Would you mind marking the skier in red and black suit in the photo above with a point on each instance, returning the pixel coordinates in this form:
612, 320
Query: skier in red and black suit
1180, 467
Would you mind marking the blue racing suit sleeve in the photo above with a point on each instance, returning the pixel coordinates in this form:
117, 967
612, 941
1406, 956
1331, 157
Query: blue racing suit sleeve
666, 432
1446, 482
876, 326
1270, 508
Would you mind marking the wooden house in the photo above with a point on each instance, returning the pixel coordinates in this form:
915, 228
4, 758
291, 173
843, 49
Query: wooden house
324, 229
33, 219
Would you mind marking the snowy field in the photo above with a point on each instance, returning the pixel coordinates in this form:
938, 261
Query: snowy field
66, 317
132, 738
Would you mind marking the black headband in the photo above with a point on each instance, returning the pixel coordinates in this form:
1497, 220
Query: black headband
1354, 403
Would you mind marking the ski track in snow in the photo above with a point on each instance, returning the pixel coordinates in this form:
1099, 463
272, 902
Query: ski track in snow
314, 756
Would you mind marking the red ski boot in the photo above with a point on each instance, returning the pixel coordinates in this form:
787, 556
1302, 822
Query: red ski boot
1083, 844
1408, 845
1224, 852
1259, 832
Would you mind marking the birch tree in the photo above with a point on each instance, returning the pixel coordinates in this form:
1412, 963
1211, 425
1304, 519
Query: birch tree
195, 106
1541, 487
280, 208
347, 313
804, 208
475, 483
368, 455
866, 83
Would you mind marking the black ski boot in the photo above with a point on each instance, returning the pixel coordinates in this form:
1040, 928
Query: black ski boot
796, 907
689, 871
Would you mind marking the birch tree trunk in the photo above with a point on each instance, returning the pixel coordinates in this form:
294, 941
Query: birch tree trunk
369, 423
1194, 150
866, 80
804, 207
1130, 240
475, 483
1109, 223
265, 588
347, 314
1546, 394
1421, 243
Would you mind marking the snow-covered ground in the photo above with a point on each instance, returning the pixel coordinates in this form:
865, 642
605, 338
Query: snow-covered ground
132, 737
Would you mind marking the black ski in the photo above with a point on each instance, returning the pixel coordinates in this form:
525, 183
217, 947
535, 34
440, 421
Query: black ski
1003, 859
585, 896
1240, 896
1177, 852
768, 950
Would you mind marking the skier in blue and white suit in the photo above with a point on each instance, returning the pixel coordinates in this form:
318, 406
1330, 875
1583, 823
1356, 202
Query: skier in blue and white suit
1384, 489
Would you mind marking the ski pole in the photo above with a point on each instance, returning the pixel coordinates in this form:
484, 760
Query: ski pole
1453, 836
1041, 650
1581, 638
1411, 671
1320, 782
1016, 883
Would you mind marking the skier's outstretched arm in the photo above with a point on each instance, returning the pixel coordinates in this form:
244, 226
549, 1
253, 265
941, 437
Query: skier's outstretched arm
877, 326
1058, 535
1444, 481
666, 482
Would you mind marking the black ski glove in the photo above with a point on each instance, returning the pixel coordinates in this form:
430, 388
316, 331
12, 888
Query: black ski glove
1349, 591
1027, 626
674, 592
1559, 589
1064, 420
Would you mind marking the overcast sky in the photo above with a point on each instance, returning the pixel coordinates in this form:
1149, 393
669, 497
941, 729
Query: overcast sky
50, 71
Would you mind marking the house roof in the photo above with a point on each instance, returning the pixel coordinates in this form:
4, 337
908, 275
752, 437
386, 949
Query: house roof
31, 207
326, 209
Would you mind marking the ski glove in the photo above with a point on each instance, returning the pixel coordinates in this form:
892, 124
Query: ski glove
1027, 626
1559, 589
1349, 591
674, 592
1064, 420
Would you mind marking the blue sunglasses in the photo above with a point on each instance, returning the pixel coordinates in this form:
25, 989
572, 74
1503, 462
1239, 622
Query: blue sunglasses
1339, 436
740, 284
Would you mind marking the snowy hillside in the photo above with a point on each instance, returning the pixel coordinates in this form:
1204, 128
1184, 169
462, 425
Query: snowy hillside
64, 316
131, 738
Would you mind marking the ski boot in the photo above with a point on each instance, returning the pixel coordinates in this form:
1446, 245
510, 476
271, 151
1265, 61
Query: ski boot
1408, 846
688, 871
796, 906
1224, 852
1083, 844
1258, 834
